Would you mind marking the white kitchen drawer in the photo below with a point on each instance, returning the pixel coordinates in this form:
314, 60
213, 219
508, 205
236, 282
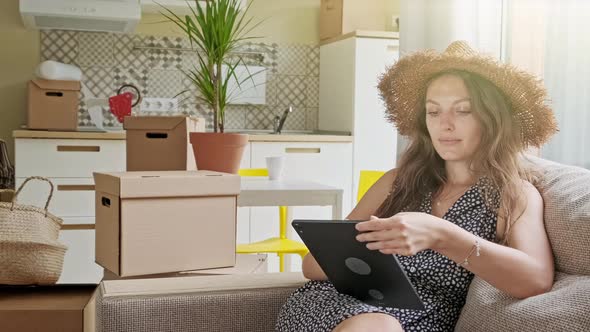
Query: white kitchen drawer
325, 163
79, 265
71, 197
70, 158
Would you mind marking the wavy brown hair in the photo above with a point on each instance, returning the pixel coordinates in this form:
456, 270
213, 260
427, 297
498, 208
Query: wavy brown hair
421, 170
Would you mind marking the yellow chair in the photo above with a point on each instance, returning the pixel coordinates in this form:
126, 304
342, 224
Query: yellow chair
366, 180
281, 245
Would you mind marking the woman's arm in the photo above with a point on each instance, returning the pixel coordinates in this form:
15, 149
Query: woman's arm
525, 268
522, 270
362, 211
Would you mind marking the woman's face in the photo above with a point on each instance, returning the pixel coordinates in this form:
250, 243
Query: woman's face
451, 122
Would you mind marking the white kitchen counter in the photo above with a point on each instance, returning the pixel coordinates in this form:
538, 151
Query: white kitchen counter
120, 135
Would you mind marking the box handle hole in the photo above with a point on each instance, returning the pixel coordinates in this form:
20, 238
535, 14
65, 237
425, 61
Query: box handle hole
156, 135
54, 94
106, 202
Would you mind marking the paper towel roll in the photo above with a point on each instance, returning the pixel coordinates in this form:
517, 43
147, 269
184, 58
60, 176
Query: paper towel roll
53, 70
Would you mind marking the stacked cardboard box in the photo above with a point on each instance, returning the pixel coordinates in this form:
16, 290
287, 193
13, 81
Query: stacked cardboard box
58, 308
166, 221
160, 143
53, 104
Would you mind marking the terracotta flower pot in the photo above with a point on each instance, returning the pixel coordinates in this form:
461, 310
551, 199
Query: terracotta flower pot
221, 152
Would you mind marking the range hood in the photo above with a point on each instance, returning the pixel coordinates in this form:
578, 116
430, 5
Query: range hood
179, 7
86, 15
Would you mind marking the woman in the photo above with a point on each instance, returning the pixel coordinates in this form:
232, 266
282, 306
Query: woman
459, 204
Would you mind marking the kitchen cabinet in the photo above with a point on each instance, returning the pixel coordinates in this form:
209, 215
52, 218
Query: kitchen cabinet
326, 163
350, 68
69, 159
68, 164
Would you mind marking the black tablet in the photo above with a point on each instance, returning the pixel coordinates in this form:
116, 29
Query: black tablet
368, 275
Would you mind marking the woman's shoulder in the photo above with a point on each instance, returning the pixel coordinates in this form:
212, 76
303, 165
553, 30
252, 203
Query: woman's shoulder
526, 196
527, 190
391, 174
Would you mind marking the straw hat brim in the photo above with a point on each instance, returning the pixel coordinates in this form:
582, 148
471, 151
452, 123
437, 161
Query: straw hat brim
403, 89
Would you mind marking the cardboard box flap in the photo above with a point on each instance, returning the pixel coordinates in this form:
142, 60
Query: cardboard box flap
57, 85
195, 284
167, 184
154, 122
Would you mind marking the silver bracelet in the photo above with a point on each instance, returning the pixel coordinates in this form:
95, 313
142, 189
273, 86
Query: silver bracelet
474, 249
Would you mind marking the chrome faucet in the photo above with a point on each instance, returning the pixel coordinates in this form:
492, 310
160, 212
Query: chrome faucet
279, 121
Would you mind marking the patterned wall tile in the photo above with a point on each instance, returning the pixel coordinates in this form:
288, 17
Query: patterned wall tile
83, 116
311, 118
269, 53
235, 116
293, 59
111, 121
312, 92
95, 49
291, 91
296, 119
272, 85
313, 63
137, 77
163, 56
99, 81
164, 83
259, 117
190, 61
292, 75
126, 55
59, 46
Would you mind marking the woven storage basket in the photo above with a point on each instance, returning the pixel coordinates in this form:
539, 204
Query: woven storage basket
29, 250
23, 263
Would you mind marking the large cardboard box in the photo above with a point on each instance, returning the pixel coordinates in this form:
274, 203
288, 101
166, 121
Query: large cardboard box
167, 221
57, 308
338, 17
160, 143
245, 264
53, 105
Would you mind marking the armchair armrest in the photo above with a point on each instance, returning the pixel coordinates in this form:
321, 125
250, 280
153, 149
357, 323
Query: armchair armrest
248, 302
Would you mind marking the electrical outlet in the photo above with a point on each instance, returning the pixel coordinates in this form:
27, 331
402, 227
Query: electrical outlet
159, 105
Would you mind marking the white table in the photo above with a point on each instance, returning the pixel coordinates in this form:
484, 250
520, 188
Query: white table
260, 191
263, 192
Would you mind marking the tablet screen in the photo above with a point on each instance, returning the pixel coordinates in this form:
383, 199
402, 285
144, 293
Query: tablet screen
368, 275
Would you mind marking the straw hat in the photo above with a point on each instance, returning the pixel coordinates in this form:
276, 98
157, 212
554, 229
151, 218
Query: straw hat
403, 88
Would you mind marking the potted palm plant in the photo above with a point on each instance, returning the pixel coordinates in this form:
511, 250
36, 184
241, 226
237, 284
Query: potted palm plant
215, 29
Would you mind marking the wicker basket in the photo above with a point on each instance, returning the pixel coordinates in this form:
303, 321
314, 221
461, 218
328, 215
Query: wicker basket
24, 263
29, 250
28, 223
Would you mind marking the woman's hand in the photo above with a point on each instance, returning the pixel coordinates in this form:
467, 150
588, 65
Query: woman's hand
405, 233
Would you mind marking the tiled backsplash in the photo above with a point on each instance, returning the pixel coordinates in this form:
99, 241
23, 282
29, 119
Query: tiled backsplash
111, 60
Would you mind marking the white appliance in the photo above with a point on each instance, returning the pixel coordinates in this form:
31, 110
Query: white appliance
177, 6
86, 15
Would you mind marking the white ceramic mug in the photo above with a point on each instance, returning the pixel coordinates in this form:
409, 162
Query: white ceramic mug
275, 167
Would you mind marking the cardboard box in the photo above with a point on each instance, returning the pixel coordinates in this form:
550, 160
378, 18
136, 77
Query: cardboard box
160, 143
338, 17
162, 222
57, 308
53, 105
245, 264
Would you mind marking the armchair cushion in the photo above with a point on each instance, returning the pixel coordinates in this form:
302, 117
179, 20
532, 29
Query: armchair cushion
564, 308
566, 195
248, 302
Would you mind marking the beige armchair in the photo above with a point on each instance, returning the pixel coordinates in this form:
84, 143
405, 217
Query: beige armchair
252, 302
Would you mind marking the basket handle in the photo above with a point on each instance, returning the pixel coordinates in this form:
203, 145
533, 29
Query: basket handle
25, 182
